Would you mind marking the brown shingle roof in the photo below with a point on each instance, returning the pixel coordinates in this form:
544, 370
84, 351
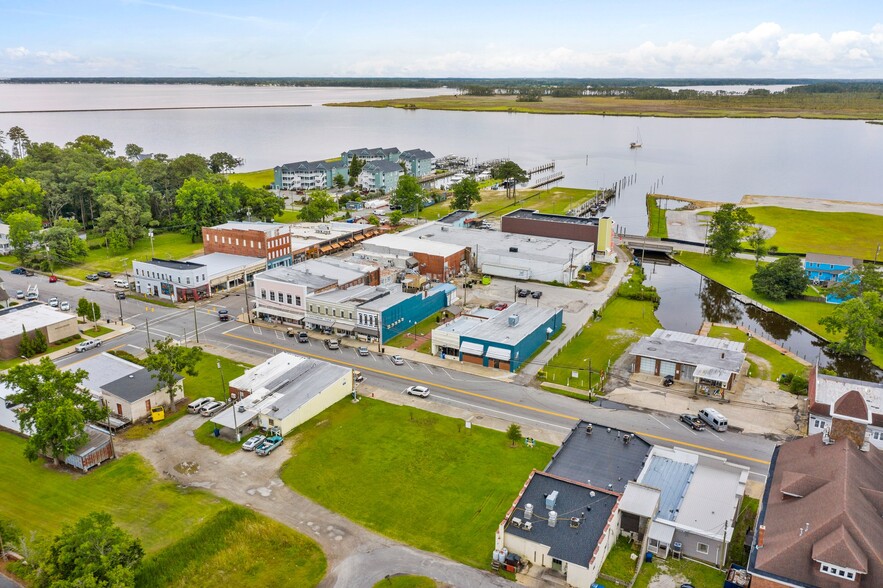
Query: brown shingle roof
797, 529
852, 405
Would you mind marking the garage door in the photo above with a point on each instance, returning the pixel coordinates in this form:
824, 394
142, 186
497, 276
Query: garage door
648, 365
667, 368
687, 372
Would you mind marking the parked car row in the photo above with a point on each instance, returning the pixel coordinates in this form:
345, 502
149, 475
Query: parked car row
524, 293
206, 406
706, 417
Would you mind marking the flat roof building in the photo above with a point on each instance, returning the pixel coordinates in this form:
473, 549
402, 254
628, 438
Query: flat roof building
598, 231
32, 316
196, 278
434, 259
251, 239
309, 240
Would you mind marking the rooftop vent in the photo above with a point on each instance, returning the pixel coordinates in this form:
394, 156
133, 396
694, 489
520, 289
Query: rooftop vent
526, 526
513, 320
550, 500
513, 250
553, 518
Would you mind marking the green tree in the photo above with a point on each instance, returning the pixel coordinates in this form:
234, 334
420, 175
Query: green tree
10, 534
91, 553
373, 220
26, 344
133, 151
513, 434
54, 408
466, 193
784, 278
355, 169
338, 181
860, 319
64, 243
511, 173
21, 195
320, 205
20, 142
204, 203
88, 310
858, 280
757, 241
185, 167
41, 345
94, 143
257, 203
395, 217
124, 202
166, 360
155, 173
408, 194
728, 225
24, 228
222, 162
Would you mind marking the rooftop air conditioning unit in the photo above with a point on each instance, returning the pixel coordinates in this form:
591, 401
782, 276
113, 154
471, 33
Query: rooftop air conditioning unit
516, 522
275, 408
526, 526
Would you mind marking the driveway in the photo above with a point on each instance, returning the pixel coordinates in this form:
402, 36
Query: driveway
356, 556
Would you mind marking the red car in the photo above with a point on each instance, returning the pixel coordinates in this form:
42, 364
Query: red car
53, 278
501, 306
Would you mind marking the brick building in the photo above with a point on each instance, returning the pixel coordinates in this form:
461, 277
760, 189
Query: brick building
598, 231
251, 239
434, 259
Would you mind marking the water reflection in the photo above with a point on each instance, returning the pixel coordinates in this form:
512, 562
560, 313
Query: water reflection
688, 299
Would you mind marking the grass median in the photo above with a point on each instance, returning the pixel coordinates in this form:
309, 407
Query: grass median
412, 475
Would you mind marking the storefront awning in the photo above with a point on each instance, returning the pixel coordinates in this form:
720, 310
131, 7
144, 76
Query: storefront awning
344, 327
325, 249
498, 353
359, 237
319, 321
367, 331
472, 348
713, 374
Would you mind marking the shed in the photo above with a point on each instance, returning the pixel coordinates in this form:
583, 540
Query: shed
98, 449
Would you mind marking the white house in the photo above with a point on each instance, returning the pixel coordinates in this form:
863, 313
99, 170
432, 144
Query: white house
5, 247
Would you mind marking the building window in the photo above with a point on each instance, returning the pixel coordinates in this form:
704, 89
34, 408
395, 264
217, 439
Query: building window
297, 300
334, 312
216, 238
702, 548
263, 294
188, 280
237, 241
311, 308
288, 298
272, 296
877, 435
837, 571
351, 316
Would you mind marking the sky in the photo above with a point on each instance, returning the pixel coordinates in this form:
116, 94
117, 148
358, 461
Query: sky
444, 38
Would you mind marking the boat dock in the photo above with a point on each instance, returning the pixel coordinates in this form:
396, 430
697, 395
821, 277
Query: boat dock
546, 180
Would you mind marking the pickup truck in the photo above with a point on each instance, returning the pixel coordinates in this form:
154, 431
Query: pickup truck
33, 293
269, 444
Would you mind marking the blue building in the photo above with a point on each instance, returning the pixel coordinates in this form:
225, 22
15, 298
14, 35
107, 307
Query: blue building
309, 175
402, 310
371, 154
504, 341
417, 161
828, 270
380, 176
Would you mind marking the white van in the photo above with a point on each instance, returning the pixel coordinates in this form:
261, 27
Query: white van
715, 420
121, 284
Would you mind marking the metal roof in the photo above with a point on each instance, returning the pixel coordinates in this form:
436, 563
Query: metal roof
220, 264
410, 245
497, 329
30, 315
558, 218
672, 479
103, 368
691, 350
640, 500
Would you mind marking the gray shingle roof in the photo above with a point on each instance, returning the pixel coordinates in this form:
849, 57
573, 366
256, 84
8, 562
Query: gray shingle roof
134, 386
382, 165
416, 154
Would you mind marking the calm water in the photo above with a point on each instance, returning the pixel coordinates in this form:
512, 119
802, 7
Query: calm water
688, 299
719, 159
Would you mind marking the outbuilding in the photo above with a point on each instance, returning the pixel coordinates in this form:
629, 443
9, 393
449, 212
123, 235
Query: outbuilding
33, 316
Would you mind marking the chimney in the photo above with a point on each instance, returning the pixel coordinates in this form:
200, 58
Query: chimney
849, 430
760, 532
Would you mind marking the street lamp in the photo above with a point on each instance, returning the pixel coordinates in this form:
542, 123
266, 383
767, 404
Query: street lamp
230, 395
152, 253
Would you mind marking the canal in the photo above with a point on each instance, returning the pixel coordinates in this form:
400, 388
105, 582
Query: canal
688, 299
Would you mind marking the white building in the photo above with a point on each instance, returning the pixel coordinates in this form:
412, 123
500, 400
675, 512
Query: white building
284, 392
846, 399
196, 278
5, 247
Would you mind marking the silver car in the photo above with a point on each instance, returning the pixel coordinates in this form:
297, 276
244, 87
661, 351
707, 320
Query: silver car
211, 409
397, 360
87, 345
253, 443
421, 391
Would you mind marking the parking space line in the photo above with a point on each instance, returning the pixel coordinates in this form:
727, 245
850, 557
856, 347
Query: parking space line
658, 421
408, 363
256, 330
427, 368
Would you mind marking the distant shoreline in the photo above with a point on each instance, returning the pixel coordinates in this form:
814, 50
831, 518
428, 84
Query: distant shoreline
147, 108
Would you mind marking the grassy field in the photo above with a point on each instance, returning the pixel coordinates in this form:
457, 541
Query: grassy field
859, 106
495, 204
736, 275
619, 562
254, 179
412, 475
656, 224
406, 582
622, 323
288, 216
237, 547
190, 536
773, 364
684, 570
423, 328
807, 231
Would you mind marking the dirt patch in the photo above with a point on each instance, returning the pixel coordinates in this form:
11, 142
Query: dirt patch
187, 467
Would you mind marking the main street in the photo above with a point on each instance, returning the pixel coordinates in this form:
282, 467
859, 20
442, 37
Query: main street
482, 395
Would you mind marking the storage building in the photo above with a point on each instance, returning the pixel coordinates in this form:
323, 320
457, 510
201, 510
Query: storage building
32, 316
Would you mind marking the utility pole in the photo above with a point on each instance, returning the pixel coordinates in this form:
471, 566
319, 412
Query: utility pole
247, 305
147, 326
724, 550
195, 323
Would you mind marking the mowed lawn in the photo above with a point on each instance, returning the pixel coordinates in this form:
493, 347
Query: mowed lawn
837, 233
774, 364
192, 538
412, 475
495, 203
253, 179
623, 322
736, 275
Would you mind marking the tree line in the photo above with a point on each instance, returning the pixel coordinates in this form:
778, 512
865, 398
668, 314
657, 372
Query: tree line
50, 193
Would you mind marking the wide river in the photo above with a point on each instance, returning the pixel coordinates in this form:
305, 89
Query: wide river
716, 159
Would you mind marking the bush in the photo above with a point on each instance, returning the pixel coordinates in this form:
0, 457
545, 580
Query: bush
798, 385
126, 355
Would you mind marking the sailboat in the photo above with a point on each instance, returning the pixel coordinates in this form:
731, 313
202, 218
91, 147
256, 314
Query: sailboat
636, 144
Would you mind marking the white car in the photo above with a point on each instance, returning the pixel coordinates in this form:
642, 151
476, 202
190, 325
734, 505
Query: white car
194, 406
253, 443
65, 306
363, 351
53, 302
397, 360
421, 391
87, 345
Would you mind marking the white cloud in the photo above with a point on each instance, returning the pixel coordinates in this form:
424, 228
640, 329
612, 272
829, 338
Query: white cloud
16, 52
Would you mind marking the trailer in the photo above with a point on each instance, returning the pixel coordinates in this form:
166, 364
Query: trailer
269, 444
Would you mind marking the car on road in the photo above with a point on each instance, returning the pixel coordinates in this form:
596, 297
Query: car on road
302, 337
397, 360
53, 278
693, 421
536, 294
363, 351
53, 302
87, 345
224, 315
421, 391
29, 273
211, 409
332, 344
357, 376
19, 271
65, 306
121, 295
19, 294
104, 274
253, 443
92, 277
522, 293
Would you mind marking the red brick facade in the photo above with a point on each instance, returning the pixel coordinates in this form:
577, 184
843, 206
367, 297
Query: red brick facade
433, 266
251, 243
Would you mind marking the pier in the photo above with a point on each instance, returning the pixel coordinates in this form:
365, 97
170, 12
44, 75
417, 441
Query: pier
546, 180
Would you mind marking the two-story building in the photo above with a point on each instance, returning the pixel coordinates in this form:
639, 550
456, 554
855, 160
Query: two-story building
253, 239
852, 400
380, 175
418, 162
434, 259
281, 293
5, 247
309, 175
195, 278
822, 268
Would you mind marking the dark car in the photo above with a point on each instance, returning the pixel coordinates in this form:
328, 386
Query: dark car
104, 274
523, 293
693, 421
223, 315
668, 380
536, 294
19, 271
92, 277
121, 295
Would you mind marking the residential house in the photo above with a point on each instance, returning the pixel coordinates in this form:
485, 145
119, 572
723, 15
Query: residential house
821, 518
251, 239
371, 154
857, 401
823, 268
309, 175
133, 396
418, 162
5, 247
380, 176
